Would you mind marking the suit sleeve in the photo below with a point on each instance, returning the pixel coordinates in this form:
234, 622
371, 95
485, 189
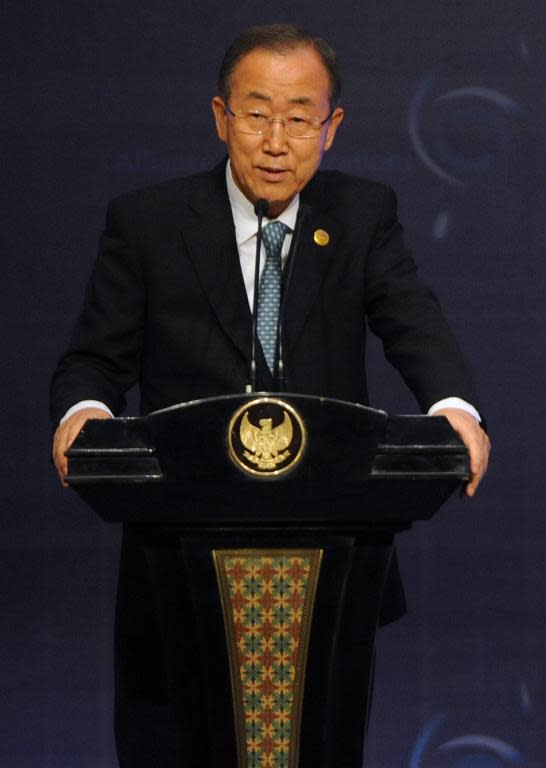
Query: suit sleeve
103, 358
406, 316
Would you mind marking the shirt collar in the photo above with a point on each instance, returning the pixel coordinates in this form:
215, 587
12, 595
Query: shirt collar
244, 218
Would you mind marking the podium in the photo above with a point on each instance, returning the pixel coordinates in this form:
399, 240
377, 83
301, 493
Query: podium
257, 556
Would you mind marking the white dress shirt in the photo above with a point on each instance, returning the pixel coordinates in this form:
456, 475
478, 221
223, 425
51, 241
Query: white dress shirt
246, 230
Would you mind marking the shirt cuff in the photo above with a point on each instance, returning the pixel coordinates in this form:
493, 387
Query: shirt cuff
86, 404
455, 402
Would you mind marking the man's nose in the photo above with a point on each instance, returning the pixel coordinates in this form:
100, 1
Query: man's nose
275, 139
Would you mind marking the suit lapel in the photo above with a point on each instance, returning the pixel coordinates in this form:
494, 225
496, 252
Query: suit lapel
208, 233
319, 235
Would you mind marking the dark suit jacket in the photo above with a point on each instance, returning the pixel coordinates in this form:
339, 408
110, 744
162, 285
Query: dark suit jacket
166, 305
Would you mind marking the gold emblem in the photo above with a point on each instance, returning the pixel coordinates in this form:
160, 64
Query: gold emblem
321, 237
265, 445
266, 437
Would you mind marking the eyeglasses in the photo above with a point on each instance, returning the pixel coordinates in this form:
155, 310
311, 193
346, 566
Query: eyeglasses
298, 127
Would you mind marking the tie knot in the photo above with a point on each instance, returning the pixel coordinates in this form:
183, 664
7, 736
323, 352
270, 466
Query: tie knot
273, 237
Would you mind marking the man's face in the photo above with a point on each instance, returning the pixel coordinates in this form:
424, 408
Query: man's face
276, 166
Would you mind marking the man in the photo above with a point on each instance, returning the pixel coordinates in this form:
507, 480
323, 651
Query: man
168, 304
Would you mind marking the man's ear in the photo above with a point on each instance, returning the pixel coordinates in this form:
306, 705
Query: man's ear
333, 125
220, 117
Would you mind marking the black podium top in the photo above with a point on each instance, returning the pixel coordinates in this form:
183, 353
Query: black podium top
357, 466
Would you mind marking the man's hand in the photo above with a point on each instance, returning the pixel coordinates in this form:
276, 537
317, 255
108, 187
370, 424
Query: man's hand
66, 434
476, 441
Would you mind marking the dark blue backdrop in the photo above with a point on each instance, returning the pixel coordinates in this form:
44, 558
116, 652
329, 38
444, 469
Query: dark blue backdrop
445, 100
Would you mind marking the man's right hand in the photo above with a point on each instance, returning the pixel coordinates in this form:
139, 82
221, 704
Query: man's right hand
66, 434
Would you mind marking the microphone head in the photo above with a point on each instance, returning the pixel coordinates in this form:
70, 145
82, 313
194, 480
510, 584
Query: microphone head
261, 207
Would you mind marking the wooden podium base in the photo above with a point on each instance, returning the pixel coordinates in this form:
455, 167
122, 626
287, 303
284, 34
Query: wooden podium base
242, 655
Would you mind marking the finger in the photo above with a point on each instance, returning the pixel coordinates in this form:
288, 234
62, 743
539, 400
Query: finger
59, 457
471, 485
64, 437
71, 433
57, 449
479, 455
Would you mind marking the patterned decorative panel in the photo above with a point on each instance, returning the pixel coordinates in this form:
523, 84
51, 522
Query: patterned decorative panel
267, 597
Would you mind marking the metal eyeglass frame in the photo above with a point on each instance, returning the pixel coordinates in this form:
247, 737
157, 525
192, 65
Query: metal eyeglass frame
314, 122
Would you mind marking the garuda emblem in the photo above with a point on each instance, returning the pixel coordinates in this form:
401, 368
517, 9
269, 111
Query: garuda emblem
266, 443
266, 437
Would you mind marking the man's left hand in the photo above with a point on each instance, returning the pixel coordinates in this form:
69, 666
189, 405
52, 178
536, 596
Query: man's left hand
476, 441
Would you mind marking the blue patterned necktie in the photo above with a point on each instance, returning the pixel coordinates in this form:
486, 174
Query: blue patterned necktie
269, 295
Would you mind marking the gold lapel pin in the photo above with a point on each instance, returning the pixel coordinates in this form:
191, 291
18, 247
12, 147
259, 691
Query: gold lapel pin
321, 237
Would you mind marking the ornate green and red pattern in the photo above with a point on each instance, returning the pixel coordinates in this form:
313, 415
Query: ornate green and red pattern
267, 597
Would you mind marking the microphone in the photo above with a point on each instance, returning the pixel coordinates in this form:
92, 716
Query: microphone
261, 209
280, 375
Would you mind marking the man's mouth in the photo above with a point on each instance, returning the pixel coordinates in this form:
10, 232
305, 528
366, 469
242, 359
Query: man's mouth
272, 172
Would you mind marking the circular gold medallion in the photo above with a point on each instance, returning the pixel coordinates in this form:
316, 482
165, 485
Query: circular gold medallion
321, 237
266, 437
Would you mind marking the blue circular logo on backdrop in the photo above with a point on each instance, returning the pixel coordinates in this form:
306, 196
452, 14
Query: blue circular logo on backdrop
461, 122
473, 750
